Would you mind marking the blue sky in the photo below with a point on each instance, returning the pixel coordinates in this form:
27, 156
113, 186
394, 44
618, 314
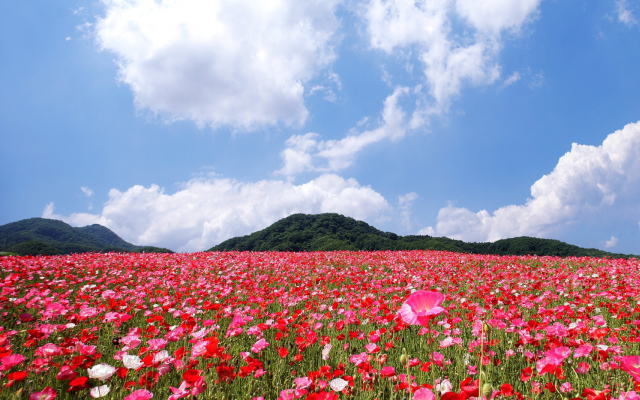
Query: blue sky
184, 123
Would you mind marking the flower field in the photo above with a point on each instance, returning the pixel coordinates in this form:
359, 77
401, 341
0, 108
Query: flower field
333, 325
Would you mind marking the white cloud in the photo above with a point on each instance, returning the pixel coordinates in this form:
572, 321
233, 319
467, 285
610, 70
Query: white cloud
493, 16
86, 190
307, 153
241, 63
405, 202
589, 183
511, 79
612, 242
206, 211
330, 89
450, 57
536, 80
624, 14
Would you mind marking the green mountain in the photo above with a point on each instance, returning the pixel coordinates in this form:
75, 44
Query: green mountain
302, 232
49, 236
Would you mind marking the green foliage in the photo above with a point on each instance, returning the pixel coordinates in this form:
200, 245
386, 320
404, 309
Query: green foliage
41, 236
323, 232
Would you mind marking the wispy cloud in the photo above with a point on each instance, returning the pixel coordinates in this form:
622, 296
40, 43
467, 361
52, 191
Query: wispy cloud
405, 202
448, 58
624, 13
86, 191
611, 242
511, 79
308, 152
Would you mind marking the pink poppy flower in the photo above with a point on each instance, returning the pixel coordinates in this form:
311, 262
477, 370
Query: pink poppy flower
302, 383
10, 361
583, 351
66, 373
287, 394
420, 306
628, 396
156, 344
423, 394
372, 348
552, 358
179, 392
260, 345
583, 368
566, 387
86, 350
631, 365
140, 394
46, 394
358, 359
48, 350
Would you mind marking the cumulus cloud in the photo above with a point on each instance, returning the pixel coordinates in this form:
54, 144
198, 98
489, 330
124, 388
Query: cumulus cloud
450, 57
240, 63
308, 152
589, 183
206, 211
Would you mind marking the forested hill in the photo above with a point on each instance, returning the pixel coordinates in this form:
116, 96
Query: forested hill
302, 232
35, 236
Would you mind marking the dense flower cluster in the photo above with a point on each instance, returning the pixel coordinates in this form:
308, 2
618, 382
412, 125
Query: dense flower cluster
335, 325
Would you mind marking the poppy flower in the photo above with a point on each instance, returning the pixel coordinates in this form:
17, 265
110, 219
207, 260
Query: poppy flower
101, 372
131, 361
338, 384
141, 394
99, 391
631, 365
45, 394
387, 371
17, 376
420, 306
423, 394
10, 361
78, 383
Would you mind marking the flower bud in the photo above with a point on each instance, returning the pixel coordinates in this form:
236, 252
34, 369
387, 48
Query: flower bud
404, 359
486, 389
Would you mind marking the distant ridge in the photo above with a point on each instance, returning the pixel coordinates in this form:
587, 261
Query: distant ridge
319, 232
42, 236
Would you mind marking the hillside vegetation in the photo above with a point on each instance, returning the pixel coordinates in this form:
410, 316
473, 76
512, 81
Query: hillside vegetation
42, 236
302, 232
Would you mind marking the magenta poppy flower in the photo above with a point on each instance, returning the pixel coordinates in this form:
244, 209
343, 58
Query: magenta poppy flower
631, 364
46, 394
420, 306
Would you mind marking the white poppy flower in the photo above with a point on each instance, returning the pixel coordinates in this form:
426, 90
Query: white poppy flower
325, 351
131, 362
160, 356
99, 391
338, 384
101, 371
